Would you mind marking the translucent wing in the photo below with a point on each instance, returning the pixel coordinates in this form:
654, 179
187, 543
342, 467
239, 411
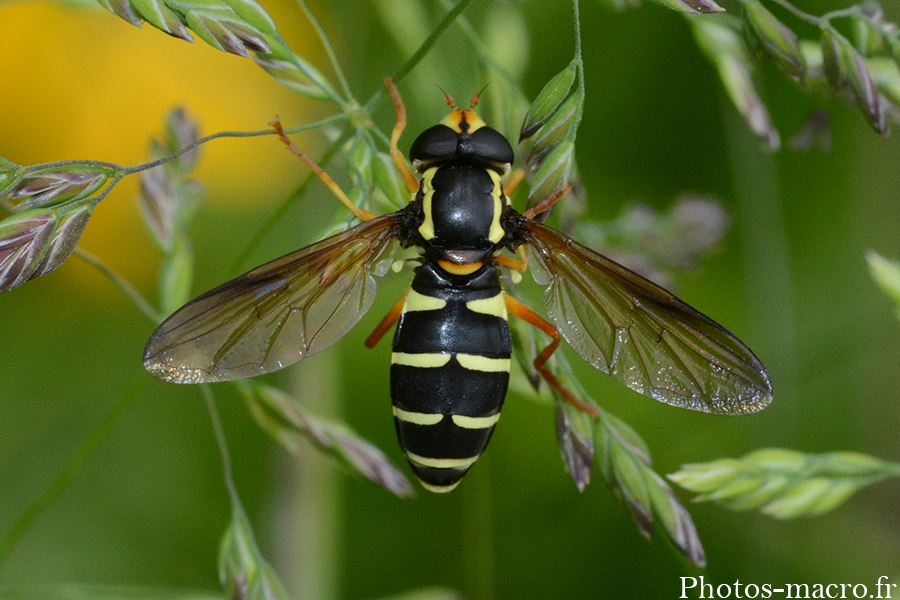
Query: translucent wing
640, 334
276, 314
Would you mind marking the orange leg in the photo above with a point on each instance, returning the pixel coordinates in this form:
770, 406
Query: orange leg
523, 312
387, 322
412, 182
548, 202
516, 266
513, 182
361, 213
512, 263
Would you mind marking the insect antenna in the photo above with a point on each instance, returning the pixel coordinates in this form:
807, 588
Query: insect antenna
477, 97
448, 99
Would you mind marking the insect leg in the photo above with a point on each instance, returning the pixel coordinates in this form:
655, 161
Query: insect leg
523, 312
516, 266
512, 263
361, 213
548, 202
412, 182
387, 322
513, 182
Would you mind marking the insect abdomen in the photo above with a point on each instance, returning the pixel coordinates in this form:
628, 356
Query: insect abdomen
449, 372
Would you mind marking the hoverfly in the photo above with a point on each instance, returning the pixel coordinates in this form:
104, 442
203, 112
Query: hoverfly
451, 348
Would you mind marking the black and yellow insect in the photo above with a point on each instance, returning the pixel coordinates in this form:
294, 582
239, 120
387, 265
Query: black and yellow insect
451, 350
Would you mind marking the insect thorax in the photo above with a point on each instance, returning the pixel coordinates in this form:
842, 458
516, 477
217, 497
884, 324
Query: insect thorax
461, 163
461, 206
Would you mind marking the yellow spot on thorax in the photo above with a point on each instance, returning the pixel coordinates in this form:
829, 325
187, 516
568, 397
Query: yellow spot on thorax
426, 229
496, 233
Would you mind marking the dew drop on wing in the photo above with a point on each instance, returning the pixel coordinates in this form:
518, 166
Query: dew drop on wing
667, 396
614, 359
171, 371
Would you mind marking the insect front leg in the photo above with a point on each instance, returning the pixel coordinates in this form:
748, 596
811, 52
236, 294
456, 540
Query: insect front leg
409, 177
513, 182
361, 213
547, 203
520, 310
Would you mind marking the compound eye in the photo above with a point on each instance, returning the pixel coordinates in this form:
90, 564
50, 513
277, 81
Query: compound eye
435, 143
490, 146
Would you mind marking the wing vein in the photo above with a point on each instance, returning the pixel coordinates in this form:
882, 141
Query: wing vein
640, 334
275, 314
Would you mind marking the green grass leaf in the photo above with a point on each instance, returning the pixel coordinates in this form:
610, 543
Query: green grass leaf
626, 466
240, 27
692, 7
288, 422
785, 484
725, 50
886, 273
243, 571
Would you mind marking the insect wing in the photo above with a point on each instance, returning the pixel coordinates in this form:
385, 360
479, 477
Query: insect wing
640, 334
276, 314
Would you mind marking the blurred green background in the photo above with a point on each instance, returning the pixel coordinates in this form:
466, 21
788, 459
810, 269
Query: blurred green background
149, 507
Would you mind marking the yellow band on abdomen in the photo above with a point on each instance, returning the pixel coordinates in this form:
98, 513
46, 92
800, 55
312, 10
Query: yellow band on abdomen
442, 463
424, 360
417, 418
476, 422
474, 362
